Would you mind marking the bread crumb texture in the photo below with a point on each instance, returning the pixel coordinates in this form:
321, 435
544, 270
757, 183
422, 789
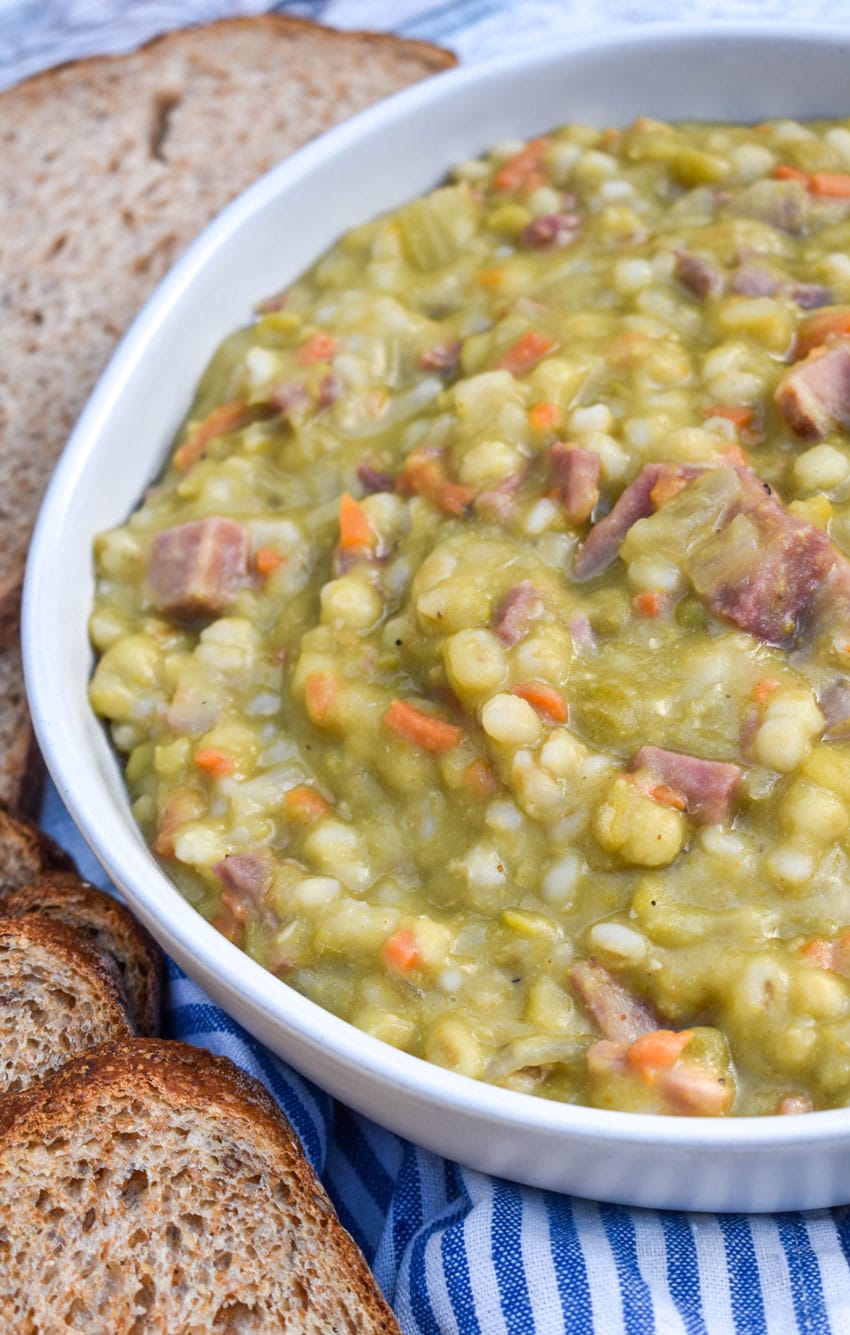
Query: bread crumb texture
151, 1186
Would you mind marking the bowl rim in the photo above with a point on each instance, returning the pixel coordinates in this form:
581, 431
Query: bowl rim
150, 892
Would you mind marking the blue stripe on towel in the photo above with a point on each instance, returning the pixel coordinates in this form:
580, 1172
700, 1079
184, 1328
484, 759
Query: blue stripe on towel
744, 1283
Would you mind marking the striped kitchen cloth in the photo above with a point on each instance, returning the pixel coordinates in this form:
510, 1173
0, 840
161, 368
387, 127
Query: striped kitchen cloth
460, 1253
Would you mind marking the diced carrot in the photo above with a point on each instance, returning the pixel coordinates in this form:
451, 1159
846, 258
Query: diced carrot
227, 417
229, 925
735, 455
658, 1050
544, 698
214, 761
524, 169
544, 416
648, 603
432, 734
267, 560
479, 779
183, 805
826, 954
526, 353
668, 796
490, 278
833, 322
303, 803
736, 413
354, 527
665, 489
834, 185
784, 172
320, 693
400, 951
320, 348
820, 953
423, 475
764, 688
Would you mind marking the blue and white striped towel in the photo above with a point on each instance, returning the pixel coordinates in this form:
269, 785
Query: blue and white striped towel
456, 1252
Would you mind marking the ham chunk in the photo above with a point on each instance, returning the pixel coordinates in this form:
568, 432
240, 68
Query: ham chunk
196, 569
551, 232
636, 502
619, 1076
515, 613
814, 395
574, 476
615, 1011
708, 786
749, 560
701, 277
763, 569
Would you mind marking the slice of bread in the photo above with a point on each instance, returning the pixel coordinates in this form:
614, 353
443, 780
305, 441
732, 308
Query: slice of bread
58, 997
152, 1186
26, 852
108, 926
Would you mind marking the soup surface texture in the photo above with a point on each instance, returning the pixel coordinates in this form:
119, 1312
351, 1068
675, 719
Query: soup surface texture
481, 659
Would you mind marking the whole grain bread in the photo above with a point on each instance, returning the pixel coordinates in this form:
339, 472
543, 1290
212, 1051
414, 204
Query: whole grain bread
151, 1186
26, 852
99, 919
58, 997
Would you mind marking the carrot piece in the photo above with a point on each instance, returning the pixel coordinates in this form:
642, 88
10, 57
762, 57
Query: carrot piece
820, 953
665, 489
834, 185
320, 348
668, 797
226, 417
544, 698
658, 1050
526, 353
214, 761
784, 172
834, 322
320, 693
649, 603
524, 169
490, 278
432, 734
479, 779
354, 527
733, 412
400, 951
423, 475
765, 688
303, 803
267, 560
735, 455
544, 416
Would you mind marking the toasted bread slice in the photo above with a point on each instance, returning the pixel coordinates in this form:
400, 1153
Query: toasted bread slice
107, 925
26, 852
152, 1186
58, 997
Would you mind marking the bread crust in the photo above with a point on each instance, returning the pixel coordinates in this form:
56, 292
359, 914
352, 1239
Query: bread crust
26, 852
133, 1082
42, 962
99, 919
